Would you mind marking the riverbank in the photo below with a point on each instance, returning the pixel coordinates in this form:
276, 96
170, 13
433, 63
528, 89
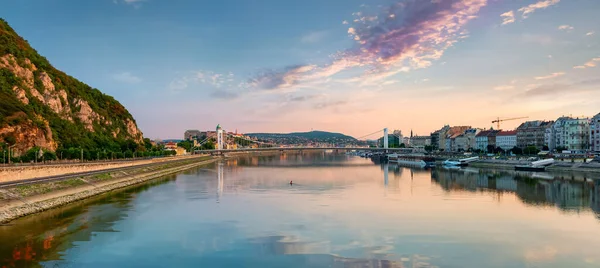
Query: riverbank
560, 166
19, 201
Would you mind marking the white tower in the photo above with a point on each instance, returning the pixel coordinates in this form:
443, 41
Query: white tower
219, 138
385, 138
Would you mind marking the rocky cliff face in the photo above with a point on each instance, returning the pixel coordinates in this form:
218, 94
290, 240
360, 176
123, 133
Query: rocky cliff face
44, 107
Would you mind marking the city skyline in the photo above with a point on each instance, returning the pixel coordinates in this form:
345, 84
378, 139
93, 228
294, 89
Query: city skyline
339, 66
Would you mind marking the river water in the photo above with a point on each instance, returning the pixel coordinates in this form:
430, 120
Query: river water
341, 211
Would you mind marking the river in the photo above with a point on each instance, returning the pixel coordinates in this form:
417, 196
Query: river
340, 211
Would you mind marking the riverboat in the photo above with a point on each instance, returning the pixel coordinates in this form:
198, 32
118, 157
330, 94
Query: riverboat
460, 162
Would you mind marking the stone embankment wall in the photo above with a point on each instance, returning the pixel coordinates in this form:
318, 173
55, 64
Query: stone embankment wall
15, 173
19, 207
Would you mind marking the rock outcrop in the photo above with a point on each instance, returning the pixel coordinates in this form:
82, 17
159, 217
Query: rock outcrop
45, 107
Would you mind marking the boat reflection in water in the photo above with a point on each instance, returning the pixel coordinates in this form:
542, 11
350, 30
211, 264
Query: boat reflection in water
421, 161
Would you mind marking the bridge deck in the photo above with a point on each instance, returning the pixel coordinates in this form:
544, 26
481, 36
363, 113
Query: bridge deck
407, 150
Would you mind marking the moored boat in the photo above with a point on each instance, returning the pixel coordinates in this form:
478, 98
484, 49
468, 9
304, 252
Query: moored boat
460, 162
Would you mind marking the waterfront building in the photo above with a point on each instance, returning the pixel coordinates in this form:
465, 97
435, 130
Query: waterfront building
481, 140
506, 139
192, 134
595, 133
570, 133
440, 137
435, 140
465, 141
451, 135
492, 138
393, 141
533, 133
420, 141
406, 141
170, 145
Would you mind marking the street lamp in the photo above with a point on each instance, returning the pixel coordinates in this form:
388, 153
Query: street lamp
9, 152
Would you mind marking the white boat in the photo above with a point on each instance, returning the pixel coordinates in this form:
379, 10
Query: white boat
536, 165
460, 162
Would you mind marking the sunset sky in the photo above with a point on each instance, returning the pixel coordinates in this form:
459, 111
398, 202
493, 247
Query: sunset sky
337, 65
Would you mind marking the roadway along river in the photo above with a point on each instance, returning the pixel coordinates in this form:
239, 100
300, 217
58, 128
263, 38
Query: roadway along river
341, 211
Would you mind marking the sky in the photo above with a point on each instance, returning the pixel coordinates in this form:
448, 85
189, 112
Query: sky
346, 66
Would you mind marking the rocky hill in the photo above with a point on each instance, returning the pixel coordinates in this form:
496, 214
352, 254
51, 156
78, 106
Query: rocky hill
44, 107
304, 138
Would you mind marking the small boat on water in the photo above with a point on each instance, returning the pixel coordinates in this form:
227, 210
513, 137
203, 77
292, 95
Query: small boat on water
460, 162
536, 165
412, 160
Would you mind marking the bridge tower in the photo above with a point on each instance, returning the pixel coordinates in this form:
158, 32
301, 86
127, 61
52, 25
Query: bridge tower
219, 137
385, 138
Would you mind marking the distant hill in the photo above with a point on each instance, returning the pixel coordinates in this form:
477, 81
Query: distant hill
42, 106
305, 138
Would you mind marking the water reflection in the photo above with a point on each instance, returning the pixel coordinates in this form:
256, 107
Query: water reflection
341, 212
568, 195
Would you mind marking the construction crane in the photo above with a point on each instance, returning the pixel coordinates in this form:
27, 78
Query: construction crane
498, 120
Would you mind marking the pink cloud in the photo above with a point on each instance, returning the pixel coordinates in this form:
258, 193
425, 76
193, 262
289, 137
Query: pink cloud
552, 75
508, 17
408, 34
539, 5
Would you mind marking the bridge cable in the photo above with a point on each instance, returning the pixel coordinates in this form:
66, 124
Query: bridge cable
361, 137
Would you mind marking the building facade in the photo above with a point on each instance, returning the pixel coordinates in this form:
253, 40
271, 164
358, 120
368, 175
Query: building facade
393, 141
506, 139
595, 133
435, 140
450, 138
481, 140
420, 141
533, 133
192, 134
440, 137
570, 133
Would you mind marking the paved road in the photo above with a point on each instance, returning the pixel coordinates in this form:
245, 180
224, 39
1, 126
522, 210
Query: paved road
82, 174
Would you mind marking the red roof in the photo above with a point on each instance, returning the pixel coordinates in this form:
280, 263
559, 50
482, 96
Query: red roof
507, 133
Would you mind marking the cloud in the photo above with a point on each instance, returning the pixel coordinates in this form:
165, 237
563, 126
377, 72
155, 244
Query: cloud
508, 17
589, 33
553, 89
408, 34
566, 27
526, 11
552, 75
302, 98
589, 64
286, 78
127, 77
345, 22
313, 37
329, 104
209, 78
134, 3
504, 87
224, 94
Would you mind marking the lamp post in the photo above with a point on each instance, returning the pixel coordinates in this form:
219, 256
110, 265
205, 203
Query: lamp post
9, 152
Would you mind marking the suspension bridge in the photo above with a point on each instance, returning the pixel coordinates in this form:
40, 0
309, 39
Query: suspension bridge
220, 146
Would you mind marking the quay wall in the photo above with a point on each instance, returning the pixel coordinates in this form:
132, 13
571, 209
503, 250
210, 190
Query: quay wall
15, 173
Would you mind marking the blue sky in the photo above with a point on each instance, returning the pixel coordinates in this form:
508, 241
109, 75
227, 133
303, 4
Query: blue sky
337, 65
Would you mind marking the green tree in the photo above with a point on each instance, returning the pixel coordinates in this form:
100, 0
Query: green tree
187, 145
402, 145
531, 150
428, 148
516, 150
